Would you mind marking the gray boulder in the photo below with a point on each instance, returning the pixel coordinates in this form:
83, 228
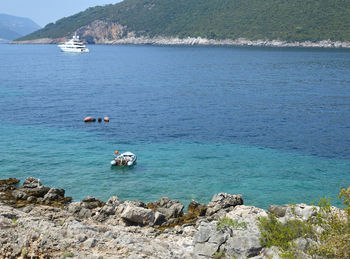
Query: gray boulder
90, 243
167, 207
241, 241
138, 215
196, 208
111, 207
74, 207
31, 182
299, 211
79, 211
207, 241
243, 245
19, 195
159, 218
92, 203
114, 201
223, 201
277, 210
85, 213
54, 194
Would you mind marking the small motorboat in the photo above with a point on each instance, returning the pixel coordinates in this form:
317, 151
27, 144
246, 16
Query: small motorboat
124, 159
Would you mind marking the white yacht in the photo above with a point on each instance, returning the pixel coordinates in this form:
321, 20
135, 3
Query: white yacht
73, 45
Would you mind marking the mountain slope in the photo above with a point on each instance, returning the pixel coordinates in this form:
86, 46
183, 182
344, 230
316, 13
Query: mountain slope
7, 34
290, 20
12, 27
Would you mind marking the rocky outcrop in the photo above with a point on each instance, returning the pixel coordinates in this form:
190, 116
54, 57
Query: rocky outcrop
31, 192
40, 41
196, 209
167, 207
240, 242
99, 32
223, 201
9, 182
138, 215
45, 226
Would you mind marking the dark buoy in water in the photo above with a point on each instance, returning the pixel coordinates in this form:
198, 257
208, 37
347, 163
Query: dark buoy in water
99, 119
89, 119
106, 119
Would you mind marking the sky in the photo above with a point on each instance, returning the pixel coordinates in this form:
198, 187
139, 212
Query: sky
43, 12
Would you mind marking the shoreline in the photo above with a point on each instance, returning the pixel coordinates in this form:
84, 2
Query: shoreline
39, 221
190, 41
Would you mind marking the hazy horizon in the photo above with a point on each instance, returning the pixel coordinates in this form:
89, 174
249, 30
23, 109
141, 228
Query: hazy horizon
43, 12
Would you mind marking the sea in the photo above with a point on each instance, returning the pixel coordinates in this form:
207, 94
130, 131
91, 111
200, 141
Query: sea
272, 124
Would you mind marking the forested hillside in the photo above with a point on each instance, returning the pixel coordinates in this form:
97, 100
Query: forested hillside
290, 20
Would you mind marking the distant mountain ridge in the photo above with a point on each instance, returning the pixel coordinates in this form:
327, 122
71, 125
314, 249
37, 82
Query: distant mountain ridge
285, 20
13, 27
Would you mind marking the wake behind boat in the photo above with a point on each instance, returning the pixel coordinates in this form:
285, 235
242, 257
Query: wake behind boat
124, 159
74, 45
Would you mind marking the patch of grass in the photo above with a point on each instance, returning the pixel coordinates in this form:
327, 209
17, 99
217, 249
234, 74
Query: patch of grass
14, 221
228, 222
218, 255
67, 254
24, 252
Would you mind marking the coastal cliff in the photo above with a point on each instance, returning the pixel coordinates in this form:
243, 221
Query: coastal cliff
37, 221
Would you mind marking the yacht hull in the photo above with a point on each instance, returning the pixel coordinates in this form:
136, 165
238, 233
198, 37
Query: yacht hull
73, 50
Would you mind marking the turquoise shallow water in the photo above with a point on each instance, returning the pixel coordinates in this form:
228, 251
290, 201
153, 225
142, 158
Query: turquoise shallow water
271, 124
79, 161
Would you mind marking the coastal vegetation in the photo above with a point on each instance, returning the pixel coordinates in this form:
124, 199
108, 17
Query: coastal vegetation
228, 222
287, 20
329, 229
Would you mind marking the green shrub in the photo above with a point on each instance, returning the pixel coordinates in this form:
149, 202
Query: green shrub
335, 237
330, 228
230, 223
275, 233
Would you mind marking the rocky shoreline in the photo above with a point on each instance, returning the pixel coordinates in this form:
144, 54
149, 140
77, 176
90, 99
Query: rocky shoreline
190, 41
37, 221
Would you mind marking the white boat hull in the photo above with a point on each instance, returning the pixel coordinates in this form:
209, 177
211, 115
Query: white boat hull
125, 159
73, 50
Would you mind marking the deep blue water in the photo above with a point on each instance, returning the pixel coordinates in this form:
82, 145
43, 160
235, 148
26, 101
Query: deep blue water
271, 124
